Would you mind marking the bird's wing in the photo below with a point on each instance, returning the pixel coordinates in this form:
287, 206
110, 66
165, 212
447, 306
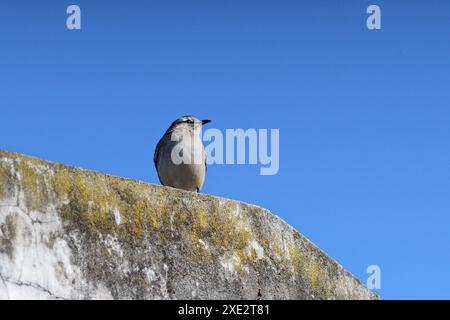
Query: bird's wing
156, 154
206, 166
158, 146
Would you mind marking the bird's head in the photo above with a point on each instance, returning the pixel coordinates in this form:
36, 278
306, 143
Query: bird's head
190, 122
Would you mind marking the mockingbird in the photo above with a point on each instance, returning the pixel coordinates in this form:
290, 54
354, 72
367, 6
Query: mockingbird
180, 158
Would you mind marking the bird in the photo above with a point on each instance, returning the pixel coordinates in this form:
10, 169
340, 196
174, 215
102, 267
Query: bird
180, 157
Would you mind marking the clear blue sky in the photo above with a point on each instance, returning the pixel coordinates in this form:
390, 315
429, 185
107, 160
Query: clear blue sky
364, 116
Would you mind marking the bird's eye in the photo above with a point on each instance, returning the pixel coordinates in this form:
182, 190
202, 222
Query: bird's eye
190, 121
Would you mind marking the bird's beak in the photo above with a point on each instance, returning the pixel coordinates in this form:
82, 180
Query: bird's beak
205, 122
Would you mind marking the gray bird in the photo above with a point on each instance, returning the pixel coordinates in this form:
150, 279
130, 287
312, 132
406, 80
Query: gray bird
180, 158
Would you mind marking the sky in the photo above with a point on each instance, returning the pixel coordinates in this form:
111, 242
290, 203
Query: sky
364, 115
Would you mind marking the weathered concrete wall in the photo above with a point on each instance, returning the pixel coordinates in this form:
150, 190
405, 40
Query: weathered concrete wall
74, 234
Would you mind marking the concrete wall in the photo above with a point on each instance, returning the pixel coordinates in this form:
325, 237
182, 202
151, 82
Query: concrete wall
67, 233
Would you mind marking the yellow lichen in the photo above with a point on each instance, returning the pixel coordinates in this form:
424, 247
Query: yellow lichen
228, 231
296, 259
154, 219
307, 267
136, 215
90, 199
33, 184
276, 245
201, 221
6, 179
62, 183
88, 203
